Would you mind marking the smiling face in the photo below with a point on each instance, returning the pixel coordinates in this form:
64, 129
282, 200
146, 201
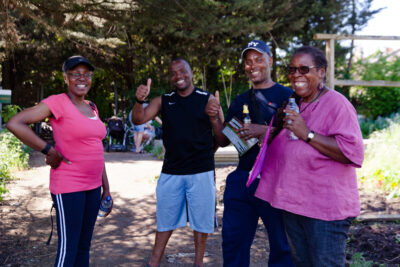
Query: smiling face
181, 76
258, 68
78, 80
306, 85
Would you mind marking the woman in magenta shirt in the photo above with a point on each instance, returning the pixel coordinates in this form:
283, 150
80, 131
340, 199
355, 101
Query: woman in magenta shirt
77, 172
313, 179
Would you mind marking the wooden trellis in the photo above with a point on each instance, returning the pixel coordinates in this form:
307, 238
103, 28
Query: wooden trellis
330, 55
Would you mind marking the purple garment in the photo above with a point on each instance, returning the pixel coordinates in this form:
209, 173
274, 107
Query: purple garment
299, 179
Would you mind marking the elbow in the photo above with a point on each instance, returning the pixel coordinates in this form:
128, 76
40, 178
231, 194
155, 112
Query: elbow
11, 125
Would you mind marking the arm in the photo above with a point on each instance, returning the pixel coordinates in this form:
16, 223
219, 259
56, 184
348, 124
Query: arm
19, 126
106, 188
326, 145
142, 115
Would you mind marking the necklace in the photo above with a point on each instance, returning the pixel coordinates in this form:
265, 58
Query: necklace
315, 99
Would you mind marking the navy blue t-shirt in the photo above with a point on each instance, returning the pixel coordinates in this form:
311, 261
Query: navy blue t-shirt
277, 95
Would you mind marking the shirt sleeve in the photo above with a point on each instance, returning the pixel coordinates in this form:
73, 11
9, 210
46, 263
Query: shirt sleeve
345, 128
55, 105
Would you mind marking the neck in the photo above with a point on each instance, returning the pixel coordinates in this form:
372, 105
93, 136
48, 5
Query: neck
264, 84
186, 91
76, 100
314, 96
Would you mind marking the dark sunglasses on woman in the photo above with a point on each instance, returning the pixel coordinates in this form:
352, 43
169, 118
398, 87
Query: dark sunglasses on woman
301, 69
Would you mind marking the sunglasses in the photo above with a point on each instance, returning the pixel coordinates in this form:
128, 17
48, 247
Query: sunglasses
301, 69
76, 75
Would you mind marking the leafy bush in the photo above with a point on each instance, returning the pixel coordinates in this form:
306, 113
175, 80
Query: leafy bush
369, 126
381, 168
9, 111
377, 101
13, 156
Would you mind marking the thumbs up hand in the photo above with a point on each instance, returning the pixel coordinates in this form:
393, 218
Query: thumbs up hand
143, 90
213, 106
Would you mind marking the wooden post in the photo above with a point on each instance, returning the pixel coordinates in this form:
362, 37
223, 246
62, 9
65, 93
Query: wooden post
330, 56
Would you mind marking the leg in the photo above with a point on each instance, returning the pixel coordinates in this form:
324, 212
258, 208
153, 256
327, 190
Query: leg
89, 219
200, 246
279, 251
69, 209
294, 225
327, 241
159, 247
138, 141
240, 221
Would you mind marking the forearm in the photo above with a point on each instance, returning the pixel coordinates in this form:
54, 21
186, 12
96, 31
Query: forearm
138, 114
105, 184
328, 146
217, 127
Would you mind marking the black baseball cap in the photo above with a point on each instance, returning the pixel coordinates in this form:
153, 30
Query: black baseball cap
257, 45
73, 61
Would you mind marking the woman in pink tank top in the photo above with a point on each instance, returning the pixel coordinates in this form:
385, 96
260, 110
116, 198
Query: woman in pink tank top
78, 178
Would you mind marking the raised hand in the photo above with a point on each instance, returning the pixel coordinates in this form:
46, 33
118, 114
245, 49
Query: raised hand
213, 106
143, 90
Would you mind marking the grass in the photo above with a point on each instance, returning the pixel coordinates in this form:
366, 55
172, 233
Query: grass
381, 168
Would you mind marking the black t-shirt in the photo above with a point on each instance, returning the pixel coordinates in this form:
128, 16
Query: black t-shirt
187, 133
277, 95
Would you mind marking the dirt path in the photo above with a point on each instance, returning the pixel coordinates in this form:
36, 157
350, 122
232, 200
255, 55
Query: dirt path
125, 238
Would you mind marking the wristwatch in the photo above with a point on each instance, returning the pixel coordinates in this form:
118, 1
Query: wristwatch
139, 101
310, 136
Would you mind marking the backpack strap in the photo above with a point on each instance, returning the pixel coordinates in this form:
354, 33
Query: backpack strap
93, 106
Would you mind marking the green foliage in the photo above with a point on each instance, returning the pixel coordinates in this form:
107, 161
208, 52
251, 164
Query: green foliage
359, 261
13, 156
369, 125
9, 111
377, 101
381, 167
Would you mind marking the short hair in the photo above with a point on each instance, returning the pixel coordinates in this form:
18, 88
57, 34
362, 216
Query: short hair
316, 54
180, 59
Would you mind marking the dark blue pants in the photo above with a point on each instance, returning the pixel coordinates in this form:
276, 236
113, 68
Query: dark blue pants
241, 213
76, 217
317, 243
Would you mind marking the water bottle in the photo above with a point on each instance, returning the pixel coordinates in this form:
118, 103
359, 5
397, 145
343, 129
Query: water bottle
247, 120
105, 206
292, 106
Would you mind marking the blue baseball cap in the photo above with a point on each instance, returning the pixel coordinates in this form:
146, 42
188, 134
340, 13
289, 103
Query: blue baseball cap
73, 61
259, 46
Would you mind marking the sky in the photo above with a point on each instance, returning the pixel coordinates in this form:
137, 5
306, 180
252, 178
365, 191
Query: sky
386, 22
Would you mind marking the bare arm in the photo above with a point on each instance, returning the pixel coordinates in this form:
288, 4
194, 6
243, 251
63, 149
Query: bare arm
326, 145
19, 126
141, 115
214, 111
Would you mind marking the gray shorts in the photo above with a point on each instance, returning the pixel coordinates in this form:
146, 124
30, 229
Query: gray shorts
183, 198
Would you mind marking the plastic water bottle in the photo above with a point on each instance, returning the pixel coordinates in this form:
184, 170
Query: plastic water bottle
105, 206
292, 106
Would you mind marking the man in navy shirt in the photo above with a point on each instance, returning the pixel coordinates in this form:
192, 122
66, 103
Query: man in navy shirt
186, 187
241, 209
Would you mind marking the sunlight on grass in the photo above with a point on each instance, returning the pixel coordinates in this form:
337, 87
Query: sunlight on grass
381, 168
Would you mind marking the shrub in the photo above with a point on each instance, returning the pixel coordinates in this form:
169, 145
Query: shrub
13, 156
368, 126
377, 101
381, 168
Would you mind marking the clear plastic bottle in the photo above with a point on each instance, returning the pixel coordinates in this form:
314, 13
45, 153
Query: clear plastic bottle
105, 206
292, 106
247, 120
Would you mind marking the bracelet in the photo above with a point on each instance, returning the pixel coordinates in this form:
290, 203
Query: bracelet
139, 101
46, 149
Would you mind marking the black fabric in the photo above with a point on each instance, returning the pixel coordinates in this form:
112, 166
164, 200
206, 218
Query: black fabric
275, 96
116, 128
187, 133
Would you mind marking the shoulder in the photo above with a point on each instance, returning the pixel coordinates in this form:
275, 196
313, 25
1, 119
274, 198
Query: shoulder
243, 97
201, 93
283, 89
336, 101
55, 99
170, 94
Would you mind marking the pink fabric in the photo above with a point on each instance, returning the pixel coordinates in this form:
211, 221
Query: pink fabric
79, 139
299, 179
258, 164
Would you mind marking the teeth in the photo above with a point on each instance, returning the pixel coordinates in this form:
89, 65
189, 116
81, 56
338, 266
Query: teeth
255, 72
180, 82
300, 83
81, 85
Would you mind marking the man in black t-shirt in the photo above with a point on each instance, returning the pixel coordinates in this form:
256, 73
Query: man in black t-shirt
186, 187
241, 209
